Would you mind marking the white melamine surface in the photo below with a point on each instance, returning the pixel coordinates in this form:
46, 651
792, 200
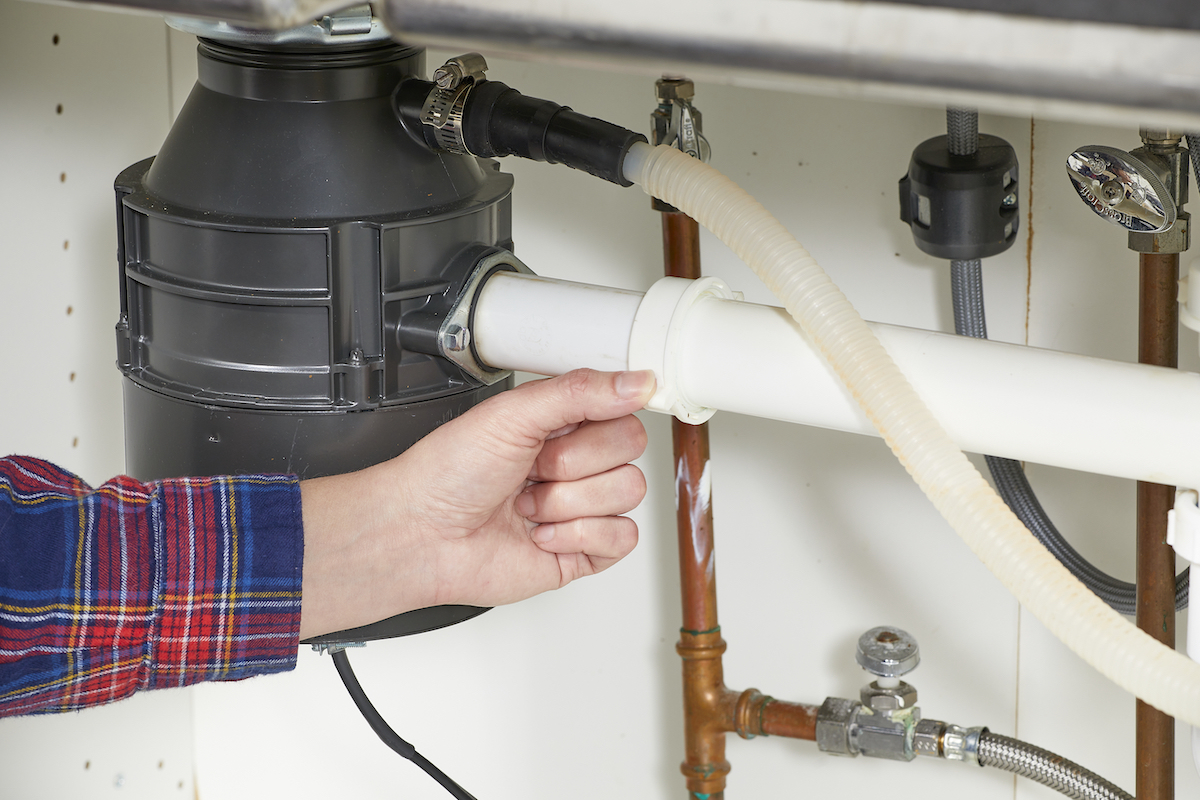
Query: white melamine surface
820, 535
83, 94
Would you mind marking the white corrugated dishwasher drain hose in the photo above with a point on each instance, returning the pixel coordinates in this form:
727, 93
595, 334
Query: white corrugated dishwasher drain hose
1158, 675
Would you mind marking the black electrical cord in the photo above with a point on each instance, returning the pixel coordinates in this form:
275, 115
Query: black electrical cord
385, 732
966, 288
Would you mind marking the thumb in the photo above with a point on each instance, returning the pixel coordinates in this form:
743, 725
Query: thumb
540, 408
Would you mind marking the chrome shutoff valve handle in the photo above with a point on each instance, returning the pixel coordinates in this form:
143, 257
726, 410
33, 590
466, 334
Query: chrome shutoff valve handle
1122, 188
887, 653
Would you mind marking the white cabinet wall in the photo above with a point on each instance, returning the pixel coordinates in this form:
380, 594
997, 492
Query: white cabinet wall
820, 535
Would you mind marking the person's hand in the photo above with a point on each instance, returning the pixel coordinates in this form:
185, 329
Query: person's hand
521, 494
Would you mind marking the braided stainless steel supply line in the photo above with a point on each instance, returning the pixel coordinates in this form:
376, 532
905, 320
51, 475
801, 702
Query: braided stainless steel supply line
962, 131
966, 277
966, 289
1048, 769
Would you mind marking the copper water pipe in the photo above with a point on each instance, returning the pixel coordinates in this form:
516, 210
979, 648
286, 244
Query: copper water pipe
1158, 343
710, 709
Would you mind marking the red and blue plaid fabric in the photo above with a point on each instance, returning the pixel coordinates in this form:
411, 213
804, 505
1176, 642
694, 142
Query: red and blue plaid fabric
142, 586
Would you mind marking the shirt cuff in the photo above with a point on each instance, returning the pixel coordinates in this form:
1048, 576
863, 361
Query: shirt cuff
229, 569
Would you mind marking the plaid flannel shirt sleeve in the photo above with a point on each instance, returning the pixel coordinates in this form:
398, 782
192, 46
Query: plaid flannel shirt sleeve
142, 586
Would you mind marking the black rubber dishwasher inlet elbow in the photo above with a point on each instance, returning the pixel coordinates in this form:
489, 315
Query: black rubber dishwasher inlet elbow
497, 120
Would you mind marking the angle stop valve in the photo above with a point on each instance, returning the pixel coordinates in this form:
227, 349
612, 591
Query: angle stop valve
1142, 191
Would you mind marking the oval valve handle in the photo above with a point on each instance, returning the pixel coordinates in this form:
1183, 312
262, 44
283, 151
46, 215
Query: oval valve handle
1121, 188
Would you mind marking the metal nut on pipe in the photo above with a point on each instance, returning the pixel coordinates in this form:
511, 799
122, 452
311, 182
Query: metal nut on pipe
927, 738
961, 744
888, 698
1175, 239
835, 723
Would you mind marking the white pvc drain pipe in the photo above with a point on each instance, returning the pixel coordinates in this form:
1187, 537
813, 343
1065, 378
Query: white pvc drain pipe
710, 352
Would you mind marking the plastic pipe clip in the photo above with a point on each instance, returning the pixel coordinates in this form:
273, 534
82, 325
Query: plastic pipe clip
1183, 533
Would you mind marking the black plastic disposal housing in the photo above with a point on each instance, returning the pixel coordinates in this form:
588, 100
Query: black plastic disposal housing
267, 255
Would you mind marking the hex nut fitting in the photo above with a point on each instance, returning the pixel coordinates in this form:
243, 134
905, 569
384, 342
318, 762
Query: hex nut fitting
927, 738
1161, 137
1175, 239
961, 744
668, 90
454, 338
835, 723
954, 740
888, 698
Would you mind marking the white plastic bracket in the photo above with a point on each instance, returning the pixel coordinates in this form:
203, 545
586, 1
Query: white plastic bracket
655, 339
1183, 533
1183, 525
1189, 297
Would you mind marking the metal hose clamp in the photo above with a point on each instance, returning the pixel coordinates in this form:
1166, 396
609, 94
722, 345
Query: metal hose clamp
443, 108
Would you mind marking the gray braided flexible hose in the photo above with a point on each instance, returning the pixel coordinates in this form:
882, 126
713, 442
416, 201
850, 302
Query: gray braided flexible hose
966, 289
966, 282
962, 131
1048, 769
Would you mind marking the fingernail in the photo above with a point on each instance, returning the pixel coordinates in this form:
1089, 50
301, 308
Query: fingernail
525, 504
634, 384
543, 533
